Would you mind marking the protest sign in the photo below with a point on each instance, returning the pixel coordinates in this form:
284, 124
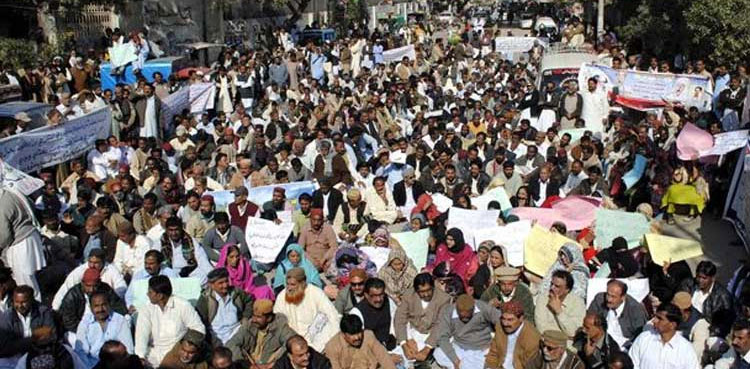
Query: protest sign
511, 236
644, 90
265, 239
13, 178
516, 44
634, 175
260, 195
576, 212
671, 249
637, 288
50, 145
470, 220
442, 202
397, 54
415, 246
727, 142
222, 199
202, 97
610, 224
496, 194
187, 288
692, 141
540, 249
174, 104
122, 54
378, 255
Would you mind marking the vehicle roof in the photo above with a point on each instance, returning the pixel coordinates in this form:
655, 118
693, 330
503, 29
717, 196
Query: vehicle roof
566, 59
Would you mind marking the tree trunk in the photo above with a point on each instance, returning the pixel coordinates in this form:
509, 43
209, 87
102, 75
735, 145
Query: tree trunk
46, 21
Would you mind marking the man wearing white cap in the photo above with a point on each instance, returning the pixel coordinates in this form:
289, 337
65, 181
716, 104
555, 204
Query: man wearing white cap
22, 121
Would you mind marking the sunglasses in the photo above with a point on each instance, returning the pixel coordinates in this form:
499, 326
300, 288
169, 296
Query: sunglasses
357, 284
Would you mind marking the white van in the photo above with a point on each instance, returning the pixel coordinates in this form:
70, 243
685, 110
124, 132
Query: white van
560, 63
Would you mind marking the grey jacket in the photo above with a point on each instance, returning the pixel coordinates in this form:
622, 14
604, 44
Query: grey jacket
632, 319
278, 332
212, 243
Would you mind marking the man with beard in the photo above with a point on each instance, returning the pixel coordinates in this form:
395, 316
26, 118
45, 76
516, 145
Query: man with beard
417, 316
187, 354
263, 341
183, 253
377, 311
354, 347
308, 309
100, 326
73, 304
299, 355
554, 354
351, 295
152, 266
465, 333
516, 339
197, 226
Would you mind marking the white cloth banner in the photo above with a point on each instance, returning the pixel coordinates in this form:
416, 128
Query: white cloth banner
202, 97
13, 178
516, 44
511, 236
378, 255
637, 288
496, 194
174, 104
265, 239
395, 55
122, 54
50, 145
468, 221
727, 142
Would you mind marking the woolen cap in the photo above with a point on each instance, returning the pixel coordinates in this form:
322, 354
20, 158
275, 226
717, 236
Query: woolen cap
263, 307
504, 273
682, 300
555, 337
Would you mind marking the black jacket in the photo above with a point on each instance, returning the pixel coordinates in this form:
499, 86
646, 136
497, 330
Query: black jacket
74, 305
399, 192
317, 361
335, 199
718, 299
12, 341
632, 319
600, 357
411, 159
553, 188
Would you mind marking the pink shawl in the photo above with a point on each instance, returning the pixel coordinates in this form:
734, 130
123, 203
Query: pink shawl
242, 276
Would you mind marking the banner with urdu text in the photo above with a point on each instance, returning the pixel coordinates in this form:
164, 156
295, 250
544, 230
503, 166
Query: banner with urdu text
50, 145
643, 90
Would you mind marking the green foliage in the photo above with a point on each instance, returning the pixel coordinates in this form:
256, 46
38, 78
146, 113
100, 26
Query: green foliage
720, 30
23, 52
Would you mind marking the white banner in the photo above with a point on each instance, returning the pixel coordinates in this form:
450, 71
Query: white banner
122, 54
516, 44
397, 54
174, 104
13, 178
47, 146
468, 221
727, 142
511, 236
265, 239
202, 97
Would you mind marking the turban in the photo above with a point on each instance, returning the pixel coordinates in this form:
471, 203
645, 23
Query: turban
91, 275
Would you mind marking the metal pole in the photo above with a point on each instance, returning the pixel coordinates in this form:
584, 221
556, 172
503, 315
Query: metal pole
599, 19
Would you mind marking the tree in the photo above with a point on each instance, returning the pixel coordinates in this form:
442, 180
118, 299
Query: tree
657, 27
720, 30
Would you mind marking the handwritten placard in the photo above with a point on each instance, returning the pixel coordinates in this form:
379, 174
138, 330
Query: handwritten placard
414, 245
671, 249
512, 237
265, 239
540, 249
610, 224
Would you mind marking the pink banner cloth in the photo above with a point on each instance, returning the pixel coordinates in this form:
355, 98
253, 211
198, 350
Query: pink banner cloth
691, 141
576, 212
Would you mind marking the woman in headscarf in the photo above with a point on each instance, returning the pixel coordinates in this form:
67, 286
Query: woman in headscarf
681, 197
398, 274
417, 222
241, 273
458, 256
295, 258
621, 261
496, 256
570, 258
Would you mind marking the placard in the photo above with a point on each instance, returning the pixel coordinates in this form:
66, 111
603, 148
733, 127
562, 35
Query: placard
671, 249
512, 237
265, 239
415, 245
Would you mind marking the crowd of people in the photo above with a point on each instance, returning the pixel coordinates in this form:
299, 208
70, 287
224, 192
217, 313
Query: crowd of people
384, 143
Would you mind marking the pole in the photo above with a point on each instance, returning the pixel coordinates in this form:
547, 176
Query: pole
599, 19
